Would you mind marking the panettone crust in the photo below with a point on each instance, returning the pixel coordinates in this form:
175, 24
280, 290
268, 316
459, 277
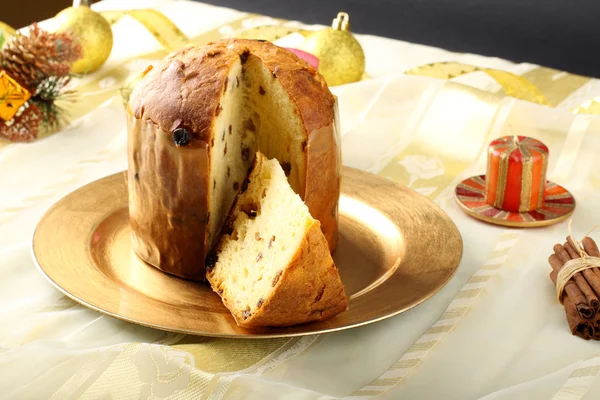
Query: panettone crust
185, 89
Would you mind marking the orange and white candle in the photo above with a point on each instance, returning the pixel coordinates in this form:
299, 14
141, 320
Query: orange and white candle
516, 173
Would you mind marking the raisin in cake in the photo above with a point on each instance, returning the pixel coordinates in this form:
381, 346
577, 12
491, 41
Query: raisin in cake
272, 264
194, 123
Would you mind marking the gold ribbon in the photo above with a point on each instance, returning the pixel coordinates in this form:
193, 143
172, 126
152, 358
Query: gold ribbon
512, 84
589, 107
161, 27
269, 32
6, 29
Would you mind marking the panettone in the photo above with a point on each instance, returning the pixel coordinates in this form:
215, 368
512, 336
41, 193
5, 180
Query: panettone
272, 265
194, 123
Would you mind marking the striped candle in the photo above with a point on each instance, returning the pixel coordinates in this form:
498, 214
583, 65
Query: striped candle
516, 173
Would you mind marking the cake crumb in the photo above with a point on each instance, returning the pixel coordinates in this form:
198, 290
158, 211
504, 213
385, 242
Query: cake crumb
271, 241
261, 90
257, 236
261, 301
259, 256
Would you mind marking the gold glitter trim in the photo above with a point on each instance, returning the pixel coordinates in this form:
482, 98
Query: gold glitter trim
541, 198
526, 178
502, 178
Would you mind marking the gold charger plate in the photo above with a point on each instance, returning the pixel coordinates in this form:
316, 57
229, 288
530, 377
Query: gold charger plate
396, 249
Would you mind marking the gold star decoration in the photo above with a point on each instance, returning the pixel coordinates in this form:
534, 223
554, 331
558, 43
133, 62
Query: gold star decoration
12, 96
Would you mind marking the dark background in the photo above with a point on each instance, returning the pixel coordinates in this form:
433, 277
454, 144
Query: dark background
562, 34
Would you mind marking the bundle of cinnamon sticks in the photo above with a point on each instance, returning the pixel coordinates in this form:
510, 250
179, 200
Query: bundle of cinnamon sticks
581, 297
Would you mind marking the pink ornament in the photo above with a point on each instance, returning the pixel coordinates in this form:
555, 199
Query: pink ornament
309, 58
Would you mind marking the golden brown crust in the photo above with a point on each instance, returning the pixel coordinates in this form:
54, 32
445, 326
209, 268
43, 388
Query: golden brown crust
167, 200
323, 179
184, 90
309, 289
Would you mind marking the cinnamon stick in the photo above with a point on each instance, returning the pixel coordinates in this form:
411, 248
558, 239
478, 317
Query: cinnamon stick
587, 280
571, 288
591, 248
579, 326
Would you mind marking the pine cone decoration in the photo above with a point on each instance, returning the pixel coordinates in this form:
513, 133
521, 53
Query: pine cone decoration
18, 65
31, 58
24, 127
40, 62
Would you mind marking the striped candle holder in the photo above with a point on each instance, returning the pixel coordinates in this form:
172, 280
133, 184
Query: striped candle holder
516, 174
515, 192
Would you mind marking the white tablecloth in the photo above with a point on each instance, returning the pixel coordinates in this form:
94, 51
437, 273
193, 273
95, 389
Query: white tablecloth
495, 331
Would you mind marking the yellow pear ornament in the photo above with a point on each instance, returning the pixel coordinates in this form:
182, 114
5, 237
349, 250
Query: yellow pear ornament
341, 58
91, 30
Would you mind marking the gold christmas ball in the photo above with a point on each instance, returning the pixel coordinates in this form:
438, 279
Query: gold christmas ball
341, 58
93, 33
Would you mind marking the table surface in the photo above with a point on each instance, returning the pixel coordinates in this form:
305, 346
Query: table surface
495, 331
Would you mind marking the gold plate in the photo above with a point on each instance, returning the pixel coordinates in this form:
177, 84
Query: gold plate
396, 249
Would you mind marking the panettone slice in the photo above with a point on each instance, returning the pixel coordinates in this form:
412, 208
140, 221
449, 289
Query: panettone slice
272, 265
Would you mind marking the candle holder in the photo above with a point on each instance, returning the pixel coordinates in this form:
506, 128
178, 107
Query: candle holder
514, 191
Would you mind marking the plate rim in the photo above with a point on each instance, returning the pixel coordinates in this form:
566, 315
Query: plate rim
258, 335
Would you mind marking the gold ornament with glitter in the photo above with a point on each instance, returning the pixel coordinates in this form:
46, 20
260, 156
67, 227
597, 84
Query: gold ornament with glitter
341, 58
12, 96
91, 30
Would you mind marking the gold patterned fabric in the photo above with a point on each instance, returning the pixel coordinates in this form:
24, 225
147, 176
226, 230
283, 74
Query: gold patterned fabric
495, 331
